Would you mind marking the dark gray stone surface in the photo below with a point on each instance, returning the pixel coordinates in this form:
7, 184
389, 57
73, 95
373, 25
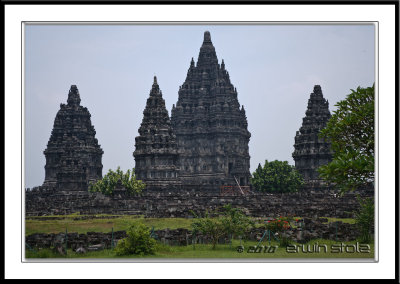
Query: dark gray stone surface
156, 153
73, 155
310, 151
209, 124
180, 203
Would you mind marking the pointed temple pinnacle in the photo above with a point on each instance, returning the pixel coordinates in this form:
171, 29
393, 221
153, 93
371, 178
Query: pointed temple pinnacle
155, 88
317, 89
207, 37
73, 96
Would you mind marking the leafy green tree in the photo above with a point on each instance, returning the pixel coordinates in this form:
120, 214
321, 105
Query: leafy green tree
351, 133
235, 222
365, 218
138, 241
111, 179
210, 226
277, 176
229, 222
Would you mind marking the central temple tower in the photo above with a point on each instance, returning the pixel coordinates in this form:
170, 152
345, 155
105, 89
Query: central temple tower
209, 124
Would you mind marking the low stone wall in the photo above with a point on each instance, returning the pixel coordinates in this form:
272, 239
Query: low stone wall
310, 229
308, 203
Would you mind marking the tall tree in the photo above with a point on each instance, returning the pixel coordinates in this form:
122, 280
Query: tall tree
276, 176
108, 183
351, 132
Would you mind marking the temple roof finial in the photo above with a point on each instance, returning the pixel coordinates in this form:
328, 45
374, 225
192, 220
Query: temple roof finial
73, 96
207, 37
155, 89
317, 89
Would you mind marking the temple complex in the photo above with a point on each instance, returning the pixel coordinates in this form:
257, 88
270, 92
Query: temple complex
311, 151
209, 124
73, 155
156, 154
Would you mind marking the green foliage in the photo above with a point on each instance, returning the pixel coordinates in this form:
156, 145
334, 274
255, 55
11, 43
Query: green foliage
138, 242
365, 218
230, 222
235, 222
111, 179
212, 227
277, 176
351, 133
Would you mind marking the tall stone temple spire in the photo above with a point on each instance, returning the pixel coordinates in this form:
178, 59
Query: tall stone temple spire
73, 155
310, 151
210, 126
156, 155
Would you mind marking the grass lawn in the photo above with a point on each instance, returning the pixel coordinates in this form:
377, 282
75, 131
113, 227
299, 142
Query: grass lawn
105, 223
225, 251
102, 223
344, 220
76, 223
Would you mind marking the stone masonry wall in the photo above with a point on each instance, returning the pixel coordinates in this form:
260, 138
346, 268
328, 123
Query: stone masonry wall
311, 229
308, 203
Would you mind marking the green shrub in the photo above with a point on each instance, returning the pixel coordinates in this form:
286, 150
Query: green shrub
230, 222
365, 218
137, 242
280, 226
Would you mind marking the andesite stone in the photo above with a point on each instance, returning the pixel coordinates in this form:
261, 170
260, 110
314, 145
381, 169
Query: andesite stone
156, 154
210, 126
310, 150
73, 155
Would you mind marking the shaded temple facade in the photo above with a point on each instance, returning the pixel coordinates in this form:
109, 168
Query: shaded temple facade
209, 124
310, 151
156, 154
73, 155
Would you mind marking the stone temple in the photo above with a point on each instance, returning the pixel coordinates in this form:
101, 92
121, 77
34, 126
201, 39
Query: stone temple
209, 124
310, 151
73, 155
206, 141
156, 151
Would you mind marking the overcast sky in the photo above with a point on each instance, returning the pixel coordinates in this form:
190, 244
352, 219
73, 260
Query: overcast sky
273, 67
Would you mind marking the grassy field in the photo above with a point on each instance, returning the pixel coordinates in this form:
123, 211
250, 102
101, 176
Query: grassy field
101, 223
344, 220
225, 251
105, 223
82, 224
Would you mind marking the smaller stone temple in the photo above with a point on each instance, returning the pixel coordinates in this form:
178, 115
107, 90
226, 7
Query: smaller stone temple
310, 151
156, 154
73, 155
